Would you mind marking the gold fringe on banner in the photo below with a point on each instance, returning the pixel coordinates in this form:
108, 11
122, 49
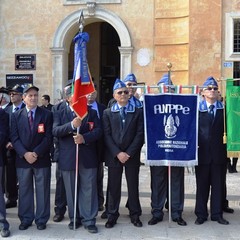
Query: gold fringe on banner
233, 154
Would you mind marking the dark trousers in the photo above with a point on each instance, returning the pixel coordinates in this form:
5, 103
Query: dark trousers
87, 203
3, 222
41, 178
60, 193
11, 189
100, 175
209, 177
159, 187
114, 191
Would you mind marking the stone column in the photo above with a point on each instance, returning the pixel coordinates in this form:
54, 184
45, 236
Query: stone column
59, 71
125, 61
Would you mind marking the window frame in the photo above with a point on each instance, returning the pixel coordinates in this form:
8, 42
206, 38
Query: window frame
230, 55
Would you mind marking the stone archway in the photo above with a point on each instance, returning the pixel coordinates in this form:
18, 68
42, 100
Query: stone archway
64, 35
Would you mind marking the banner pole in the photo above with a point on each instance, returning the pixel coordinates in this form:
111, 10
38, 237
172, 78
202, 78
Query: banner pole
76, 183
169, 196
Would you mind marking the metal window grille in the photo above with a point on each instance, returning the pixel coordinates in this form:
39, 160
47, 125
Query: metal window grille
236, 37
236, 73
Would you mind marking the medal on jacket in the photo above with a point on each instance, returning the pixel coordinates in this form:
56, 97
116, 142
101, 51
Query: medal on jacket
41, 128
91, 125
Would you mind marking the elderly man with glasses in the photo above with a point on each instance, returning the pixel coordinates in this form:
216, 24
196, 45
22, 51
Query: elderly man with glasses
124, 135
212, 155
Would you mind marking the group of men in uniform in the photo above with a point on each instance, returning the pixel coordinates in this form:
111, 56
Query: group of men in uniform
121, 126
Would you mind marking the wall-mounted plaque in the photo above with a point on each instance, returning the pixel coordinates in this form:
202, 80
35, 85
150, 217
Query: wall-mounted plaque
25, 61
20, 79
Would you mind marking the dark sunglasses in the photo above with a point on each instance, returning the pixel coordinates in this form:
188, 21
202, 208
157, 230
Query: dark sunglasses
13, 94
212, 88
121, 92
131, 84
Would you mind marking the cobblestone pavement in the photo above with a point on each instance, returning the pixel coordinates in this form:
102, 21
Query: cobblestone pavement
125, 230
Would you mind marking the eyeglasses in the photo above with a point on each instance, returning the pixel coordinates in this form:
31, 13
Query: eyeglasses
121, 92
131, 84
212, 88
13, 94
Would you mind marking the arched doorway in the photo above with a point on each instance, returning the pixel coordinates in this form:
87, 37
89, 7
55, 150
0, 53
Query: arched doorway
103, 58
63, 38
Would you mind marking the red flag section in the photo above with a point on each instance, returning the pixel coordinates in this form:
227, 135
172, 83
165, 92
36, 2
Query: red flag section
79, 97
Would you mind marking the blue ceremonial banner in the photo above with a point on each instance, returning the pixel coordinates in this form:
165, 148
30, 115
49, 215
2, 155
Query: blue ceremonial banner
171, 129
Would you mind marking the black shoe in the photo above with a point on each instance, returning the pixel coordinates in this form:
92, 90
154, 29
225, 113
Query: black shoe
5, 232
77, 225
110, 223
180, 221
154, 220
104, 215
41, 226
24, 226
100, 208
136, 222
199, 221
221, 220
91, 229
11, 204
228, 210
58, 218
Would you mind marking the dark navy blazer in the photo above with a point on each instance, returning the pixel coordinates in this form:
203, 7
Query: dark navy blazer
91, 131
129, 140
210, 139
40, 141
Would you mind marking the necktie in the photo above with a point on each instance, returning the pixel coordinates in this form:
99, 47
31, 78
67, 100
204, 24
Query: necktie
74, 114
123, 115
211, 112
30, 119
15, 109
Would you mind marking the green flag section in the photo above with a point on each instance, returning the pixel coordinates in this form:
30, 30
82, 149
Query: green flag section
233, 118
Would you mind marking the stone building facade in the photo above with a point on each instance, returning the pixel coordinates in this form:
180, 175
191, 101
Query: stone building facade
139, 36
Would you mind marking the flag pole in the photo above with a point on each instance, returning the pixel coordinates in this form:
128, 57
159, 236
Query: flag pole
169, 66
76, 185
81, 26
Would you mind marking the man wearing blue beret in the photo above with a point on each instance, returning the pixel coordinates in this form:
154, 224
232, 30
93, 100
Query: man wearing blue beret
124, 136
212, 155
131, 82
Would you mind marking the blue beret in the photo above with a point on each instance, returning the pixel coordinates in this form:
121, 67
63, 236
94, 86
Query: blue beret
164, 80
210, 82
130, 78
118, 84
17, 89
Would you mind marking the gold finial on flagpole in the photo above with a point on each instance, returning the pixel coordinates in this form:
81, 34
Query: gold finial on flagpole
169, 66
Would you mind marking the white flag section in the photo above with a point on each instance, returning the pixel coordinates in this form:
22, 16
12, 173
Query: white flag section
171, 129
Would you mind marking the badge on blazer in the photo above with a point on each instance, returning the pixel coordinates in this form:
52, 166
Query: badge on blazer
91, 125
41, 128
